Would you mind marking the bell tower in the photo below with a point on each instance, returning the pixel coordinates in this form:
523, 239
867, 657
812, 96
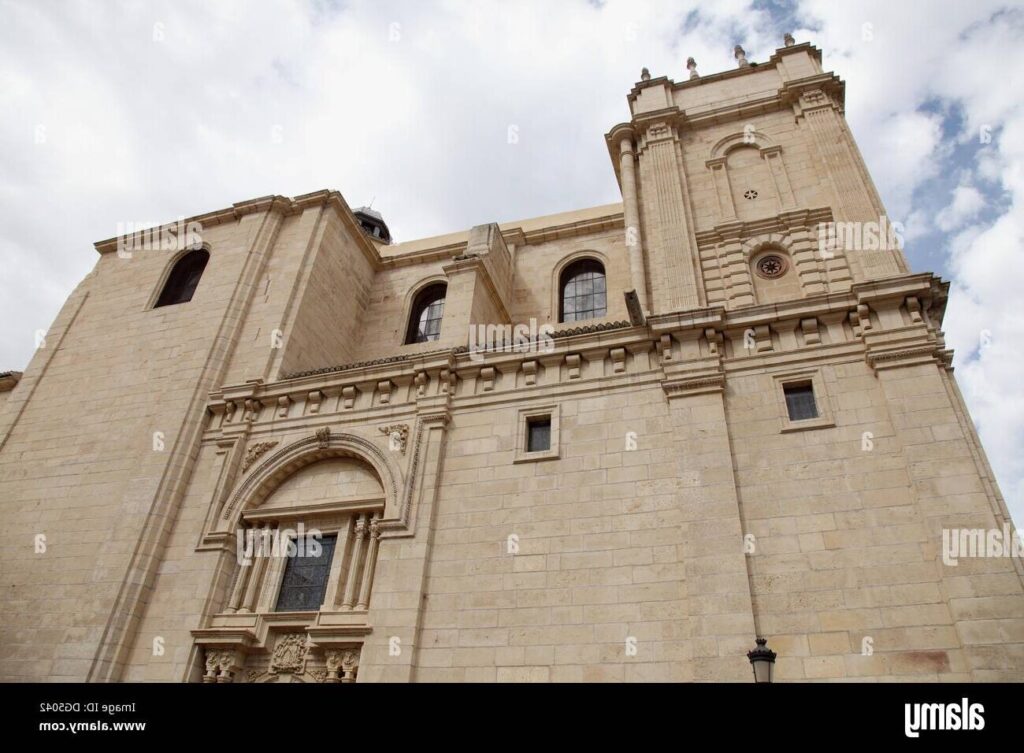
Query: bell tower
717, 170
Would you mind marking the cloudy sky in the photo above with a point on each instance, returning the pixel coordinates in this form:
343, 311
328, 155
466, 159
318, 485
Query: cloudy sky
145, 111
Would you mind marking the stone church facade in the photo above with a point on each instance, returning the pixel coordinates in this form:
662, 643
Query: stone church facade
705, 422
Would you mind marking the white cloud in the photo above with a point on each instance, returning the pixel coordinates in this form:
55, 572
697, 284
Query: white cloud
966, 204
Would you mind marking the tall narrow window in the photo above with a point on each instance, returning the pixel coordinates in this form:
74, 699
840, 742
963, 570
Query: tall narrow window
305, 575
426, 315
800, 401
584, 292
184, 278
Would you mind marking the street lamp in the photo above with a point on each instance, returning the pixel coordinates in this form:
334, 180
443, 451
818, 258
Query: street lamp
762, 659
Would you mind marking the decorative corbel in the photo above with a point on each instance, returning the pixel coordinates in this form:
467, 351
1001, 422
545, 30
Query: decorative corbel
487, 375
572, 364
252, 409
666, 347
314, 399
914, 309
530, 372
810, 329
348, 397
618, 358
421, 381
714, 339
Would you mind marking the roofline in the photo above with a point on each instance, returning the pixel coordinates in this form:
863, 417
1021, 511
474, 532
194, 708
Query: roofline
524, 231
728, 73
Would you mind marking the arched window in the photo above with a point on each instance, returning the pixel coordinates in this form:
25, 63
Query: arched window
427, 311
183, 279
584, 293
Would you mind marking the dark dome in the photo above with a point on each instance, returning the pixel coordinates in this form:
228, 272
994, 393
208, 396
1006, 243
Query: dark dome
373, 223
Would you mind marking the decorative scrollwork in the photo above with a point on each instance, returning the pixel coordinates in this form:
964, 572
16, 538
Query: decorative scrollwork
255, 452
398, 436
289, 654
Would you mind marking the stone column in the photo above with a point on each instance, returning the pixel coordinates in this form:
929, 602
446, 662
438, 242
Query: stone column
371, 560
353, 566
261, 553
242, 579
631, 215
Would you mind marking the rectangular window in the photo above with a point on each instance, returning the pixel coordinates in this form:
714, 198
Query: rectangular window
800, 401
305, 575
538, 434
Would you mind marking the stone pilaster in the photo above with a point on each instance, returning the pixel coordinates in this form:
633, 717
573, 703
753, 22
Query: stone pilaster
721, 624
855, 199
723, 190
670, 240
631, 214
777, 169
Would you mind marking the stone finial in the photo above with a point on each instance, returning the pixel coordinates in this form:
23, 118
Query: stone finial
645, 75
691, 65
788, 40
741, 57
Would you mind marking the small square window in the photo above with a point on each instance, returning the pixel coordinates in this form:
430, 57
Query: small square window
800, 401
538, 434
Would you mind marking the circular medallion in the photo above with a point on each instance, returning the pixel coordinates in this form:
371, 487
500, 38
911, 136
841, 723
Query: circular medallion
771, 266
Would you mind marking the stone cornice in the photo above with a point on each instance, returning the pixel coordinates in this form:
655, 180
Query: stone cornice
888, 359
783, 221
701, 384
831, 84
701, 318
924, 285
881, 321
